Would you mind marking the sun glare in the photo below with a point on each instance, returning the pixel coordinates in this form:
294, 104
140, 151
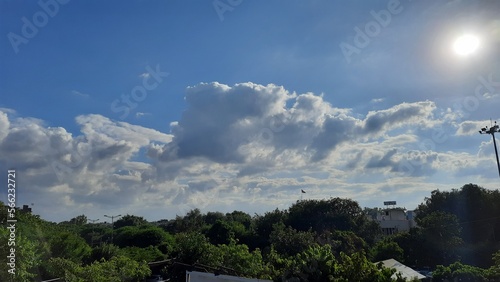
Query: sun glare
466, 45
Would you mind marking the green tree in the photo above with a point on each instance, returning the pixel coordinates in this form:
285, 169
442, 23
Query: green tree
221, 232
387, 249
288, 241
130, 220
459, 272
244, 262
211, 217
25, 259
325, 215
342, 241
191, 222
94, 233
105, 251
494, 271
316, 263
142, 236
194, 248
472, 204
358, 268
68, 245
240, 217
117, 269
416, 251
264, 226
441, 232
148, 254
79, 220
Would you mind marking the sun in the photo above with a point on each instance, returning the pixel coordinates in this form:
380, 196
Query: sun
466, 44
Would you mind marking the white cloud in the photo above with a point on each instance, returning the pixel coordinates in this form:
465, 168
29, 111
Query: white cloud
79, 94
4, 125
235, 124
471, 127
233, 147
141, 114
377, 100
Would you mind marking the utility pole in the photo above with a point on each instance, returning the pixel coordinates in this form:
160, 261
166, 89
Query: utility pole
92, 237
492, 130
112, 224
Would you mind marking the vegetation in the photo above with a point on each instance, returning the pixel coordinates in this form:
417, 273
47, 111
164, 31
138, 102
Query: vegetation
458, 236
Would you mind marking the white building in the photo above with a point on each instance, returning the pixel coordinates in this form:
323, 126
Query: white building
406, 272
394, 220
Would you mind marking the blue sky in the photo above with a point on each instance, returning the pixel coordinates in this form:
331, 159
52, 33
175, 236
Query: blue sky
157, 107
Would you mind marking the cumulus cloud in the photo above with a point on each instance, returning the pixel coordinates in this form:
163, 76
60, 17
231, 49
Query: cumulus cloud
231, 124
76, 169
233, 145
471, 127
418, 113
4, 125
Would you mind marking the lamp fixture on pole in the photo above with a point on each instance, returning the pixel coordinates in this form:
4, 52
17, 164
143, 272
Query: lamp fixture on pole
492, 130
112, 224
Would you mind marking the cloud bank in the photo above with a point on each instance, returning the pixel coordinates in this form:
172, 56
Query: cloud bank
232, 148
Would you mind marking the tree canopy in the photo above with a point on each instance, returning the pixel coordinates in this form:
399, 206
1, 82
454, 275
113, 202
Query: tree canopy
313, 240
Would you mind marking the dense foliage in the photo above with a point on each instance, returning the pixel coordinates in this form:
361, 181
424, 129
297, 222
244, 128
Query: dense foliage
457, 236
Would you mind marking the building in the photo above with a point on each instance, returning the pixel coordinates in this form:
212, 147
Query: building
406, 272
26, 209
393, 220
194, 276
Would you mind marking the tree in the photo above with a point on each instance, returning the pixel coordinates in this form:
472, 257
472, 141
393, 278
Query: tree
221, 232
326, 215
26, 258
117, 269
194, 248
316, 263
191, 222
148, 254
79, 220
441, 233
288, 241
212, 217
244, 262
387, 249
240, 217
142, 237
358, 268
264, 226
342, 241
68, 245
95, 233
494, 271
475, 209
459, 272
415, 249
130, 220
105, 251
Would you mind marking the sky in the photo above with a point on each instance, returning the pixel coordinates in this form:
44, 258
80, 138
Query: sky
154, 108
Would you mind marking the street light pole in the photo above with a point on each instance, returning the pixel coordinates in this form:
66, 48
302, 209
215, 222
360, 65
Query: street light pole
112, 224
92, 237
492, 130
